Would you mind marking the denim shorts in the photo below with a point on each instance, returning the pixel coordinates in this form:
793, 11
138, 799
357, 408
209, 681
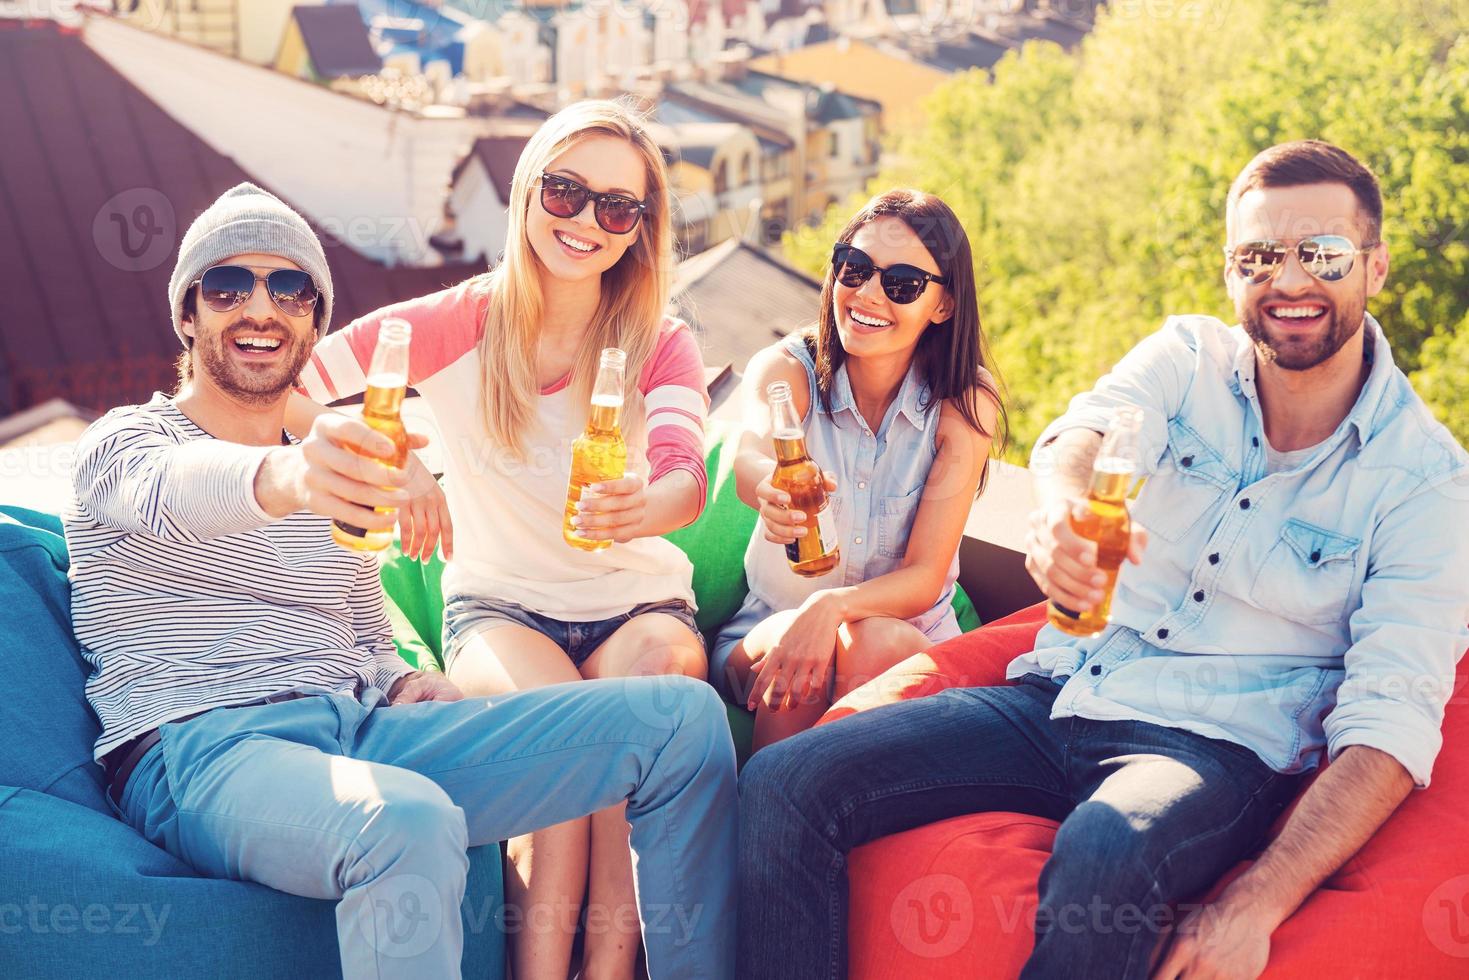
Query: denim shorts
466, 615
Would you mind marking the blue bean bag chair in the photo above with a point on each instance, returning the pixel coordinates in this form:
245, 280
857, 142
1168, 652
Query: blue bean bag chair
82, 894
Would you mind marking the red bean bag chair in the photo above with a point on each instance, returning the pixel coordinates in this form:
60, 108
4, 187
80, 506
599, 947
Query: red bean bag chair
956, 899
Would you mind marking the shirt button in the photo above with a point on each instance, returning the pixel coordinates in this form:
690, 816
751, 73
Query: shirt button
1255, 441
1163, 634
859, 540
1199, 596
862, 486
1244, 504
1187, 461
1214, 558
1096, 669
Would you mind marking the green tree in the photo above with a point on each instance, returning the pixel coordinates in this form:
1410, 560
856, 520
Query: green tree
1092, 185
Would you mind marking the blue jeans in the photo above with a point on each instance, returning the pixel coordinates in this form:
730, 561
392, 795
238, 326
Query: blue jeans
335, 798
1149, 816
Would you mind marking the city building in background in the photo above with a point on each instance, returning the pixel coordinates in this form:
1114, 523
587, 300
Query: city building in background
394, 127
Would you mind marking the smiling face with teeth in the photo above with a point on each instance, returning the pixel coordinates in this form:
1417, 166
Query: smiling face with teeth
253, 353
1296, 320
868, 323
577, 248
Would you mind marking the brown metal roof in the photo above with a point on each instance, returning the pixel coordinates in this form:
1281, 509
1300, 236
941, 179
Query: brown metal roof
499, 154
337, 40
97, 186
740, 300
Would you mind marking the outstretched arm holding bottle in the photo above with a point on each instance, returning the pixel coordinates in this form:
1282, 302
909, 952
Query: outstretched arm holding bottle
1063, 562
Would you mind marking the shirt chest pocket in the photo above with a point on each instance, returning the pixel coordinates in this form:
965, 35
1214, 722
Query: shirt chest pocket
1308, 574
895, 523
1191, 479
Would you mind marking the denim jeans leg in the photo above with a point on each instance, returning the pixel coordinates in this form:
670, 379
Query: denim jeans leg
808, 800
1163, 814
264, 794
519, 762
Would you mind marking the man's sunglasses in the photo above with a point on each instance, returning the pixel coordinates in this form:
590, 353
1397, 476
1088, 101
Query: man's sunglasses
902, 283
1329, 258
563, 197
225, 287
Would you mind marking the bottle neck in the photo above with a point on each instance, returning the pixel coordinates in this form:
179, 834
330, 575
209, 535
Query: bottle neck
389, 361
783, 415
605, 417
790, 447
1111, 480
383, 403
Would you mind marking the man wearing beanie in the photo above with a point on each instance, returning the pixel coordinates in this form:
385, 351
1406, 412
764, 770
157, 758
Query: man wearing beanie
257, 721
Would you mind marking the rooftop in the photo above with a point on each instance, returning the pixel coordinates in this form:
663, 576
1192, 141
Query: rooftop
336, 38
97, 185
824, 103
692, 101
713, 291
498, 154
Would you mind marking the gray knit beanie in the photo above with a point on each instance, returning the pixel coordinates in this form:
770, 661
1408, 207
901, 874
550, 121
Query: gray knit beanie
247, 219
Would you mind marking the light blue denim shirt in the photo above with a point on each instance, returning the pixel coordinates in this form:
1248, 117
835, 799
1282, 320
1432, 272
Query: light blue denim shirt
880, 478
1315, 608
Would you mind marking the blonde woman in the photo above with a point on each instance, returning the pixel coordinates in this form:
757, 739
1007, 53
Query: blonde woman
506, 361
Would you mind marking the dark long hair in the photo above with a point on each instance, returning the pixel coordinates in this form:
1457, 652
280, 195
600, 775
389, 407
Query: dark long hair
952, 355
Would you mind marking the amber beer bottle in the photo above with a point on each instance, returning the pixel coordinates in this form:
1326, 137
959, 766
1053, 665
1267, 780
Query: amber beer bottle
797, 474
1106, 520
387, 379
599, 454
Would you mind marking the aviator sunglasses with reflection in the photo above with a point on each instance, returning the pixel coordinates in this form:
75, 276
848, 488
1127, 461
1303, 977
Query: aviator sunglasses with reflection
902, 283
617, 214
1329, 258
225, 287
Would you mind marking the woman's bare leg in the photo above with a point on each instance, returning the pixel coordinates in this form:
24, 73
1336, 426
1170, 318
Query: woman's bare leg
864, 649
648, 645
547, 876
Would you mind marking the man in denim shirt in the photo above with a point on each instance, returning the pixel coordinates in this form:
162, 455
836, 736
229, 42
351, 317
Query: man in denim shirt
1304, 594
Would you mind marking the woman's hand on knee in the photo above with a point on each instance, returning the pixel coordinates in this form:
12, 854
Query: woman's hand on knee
795, 666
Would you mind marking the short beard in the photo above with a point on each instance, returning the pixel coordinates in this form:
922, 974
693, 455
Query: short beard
250, 387
1341, 326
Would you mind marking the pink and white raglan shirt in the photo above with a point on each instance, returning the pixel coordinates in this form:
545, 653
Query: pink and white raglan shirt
508, 511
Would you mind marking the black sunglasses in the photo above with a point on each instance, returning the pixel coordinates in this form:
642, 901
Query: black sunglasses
225, 287
1329, 258
902, 283
565, 198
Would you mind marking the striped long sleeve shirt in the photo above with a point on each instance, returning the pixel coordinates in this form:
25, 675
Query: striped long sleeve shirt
187, 596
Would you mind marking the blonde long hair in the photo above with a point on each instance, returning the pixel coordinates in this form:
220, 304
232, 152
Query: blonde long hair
634, 291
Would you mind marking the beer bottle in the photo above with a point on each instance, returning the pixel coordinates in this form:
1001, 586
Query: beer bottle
599, 454
816, 553
387, 379
1106, 520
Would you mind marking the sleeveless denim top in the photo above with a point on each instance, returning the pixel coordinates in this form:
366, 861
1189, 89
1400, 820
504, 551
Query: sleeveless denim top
880, 478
